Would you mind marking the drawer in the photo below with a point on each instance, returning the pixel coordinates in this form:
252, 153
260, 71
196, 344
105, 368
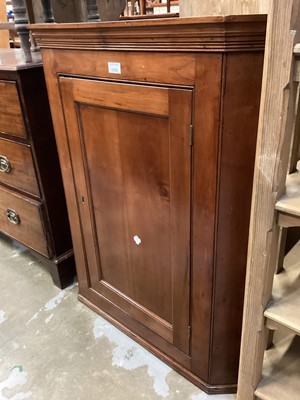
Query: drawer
11, 118
17, 167
25, 223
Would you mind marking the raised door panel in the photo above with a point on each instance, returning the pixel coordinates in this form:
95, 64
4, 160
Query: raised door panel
131, 157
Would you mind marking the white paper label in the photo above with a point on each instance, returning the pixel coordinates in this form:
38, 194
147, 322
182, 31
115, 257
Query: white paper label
114, 68
137, 240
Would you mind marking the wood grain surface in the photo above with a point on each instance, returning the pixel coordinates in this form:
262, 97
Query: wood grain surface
4, 34
137, 198
22, 174
277, 117
30, 230
194, 8
11, 118
27, 142
151, 163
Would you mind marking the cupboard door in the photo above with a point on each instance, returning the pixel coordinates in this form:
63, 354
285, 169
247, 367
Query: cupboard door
131, 157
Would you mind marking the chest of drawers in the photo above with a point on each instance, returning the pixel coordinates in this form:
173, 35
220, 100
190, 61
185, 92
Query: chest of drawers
156, 127
32, 202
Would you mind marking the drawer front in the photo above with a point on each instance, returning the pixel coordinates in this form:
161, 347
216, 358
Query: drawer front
11, 118
17, 167
21, 219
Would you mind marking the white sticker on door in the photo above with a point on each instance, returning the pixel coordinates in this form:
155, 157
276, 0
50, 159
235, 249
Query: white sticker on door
137, 240
114, 68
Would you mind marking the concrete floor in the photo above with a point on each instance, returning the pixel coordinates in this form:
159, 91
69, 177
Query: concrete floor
54, 348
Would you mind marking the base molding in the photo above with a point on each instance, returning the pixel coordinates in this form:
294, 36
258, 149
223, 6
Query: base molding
207, 388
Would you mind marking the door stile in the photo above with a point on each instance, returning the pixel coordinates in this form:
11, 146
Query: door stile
180, 103
83, 199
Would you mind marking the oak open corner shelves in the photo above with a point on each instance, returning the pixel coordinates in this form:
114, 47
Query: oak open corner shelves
281, 365
272, 302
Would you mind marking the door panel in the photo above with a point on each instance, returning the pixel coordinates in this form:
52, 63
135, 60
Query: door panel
130, 152
129, 174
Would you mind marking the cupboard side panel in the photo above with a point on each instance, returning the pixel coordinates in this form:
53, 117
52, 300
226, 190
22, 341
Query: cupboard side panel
237, 153
204, 190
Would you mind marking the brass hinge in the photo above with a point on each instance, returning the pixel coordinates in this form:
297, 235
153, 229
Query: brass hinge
189, 332
191, 135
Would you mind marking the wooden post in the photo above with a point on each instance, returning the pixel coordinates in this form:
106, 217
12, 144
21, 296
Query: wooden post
93, 14
168, 6
277, 118
30, 12
142, 4
48, 12
21, 24
4, 34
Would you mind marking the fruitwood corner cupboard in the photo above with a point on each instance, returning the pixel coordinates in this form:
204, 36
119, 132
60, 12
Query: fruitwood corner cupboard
32, 201
156, 128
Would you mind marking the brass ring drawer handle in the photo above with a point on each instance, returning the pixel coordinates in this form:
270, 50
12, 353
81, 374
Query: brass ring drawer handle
4, 165
12, 216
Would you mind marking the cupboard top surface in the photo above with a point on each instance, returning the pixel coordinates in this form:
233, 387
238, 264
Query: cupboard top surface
156, 22
218, 34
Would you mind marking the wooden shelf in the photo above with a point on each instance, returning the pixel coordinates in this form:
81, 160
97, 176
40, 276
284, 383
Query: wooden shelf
284, 309
277, 153
290, 202
281, 373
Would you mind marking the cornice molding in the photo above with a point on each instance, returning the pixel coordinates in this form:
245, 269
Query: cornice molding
208, 34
